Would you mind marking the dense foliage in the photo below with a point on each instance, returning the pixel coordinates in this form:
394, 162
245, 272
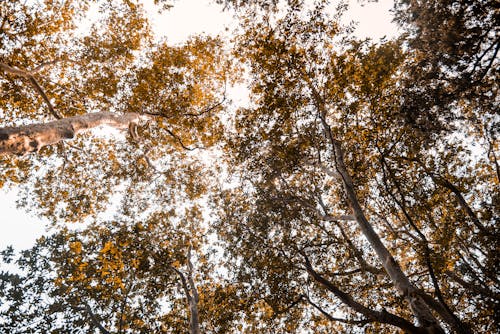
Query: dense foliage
358, 191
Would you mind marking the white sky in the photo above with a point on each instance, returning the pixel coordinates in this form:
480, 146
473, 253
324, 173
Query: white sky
187, 17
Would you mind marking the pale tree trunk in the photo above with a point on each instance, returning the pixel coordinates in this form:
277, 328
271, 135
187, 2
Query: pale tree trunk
195, 298
192, 296
408, 290
30, 138
418, 300
400, 280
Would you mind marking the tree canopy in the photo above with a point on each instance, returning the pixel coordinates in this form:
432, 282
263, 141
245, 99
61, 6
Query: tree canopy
358, 191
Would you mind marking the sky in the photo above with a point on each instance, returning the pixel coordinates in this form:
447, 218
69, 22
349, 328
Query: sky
188, 17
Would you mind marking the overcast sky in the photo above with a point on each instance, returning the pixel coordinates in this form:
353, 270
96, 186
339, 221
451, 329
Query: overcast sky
187, 17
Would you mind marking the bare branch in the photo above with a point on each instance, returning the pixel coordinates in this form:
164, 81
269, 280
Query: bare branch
331, 318
179, 140
479, 290
40, 91
208, 109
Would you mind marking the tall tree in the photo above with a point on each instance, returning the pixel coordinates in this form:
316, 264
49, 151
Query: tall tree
112, 277
362, 191
341, 198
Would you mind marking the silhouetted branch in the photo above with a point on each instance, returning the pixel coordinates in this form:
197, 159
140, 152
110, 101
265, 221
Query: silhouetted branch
379, 316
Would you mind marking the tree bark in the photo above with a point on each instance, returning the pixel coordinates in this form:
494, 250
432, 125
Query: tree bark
372, 315
195, 298
24, 139
410, 292
402, 283
191, 296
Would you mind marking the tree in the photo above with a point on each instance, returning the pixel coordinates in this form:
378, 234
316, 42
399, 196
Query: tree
354, 202
109, 76
112, 277
342, 198
451, 70
112, 75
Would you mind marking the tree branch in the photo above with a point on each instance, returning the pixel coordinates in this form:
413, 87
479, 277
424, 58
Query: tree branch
379, 316
399, 279
179, 140
479, 290
195, 319
34, 83
331, 318
424, 243
30, 138
442, 181
94, 320
191, 295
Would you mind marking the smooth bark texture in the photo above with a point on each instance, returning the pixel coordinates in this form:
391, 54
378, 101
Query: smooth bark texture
30, 138
410, 292
191, 296
400, 280
195, 298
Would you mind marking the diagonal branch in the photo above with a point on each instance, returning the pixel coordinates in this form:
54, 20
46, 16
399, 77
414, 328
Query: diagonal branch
30, 138
208, 109
477, 289
34, 83
179, 140
191, 293
442, 181
379, 316
424, 243
93, 318
331, 318
402, 283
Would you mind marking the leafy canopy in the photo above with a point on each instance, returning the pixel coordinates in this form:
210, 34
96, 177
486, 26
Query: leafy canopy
353, 161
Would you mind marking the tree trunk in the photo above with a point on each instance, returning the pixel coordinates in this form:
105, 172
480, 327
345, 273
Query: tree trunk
400, 280
195, 298
30, 138
192, 296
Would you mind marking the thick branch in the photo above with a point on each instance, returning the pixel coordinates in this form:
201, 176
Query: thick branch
399, 279
379, 316
30, 138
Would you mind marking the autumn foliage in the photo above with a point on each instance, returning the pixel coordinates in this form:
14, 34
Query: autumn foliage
356, 192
